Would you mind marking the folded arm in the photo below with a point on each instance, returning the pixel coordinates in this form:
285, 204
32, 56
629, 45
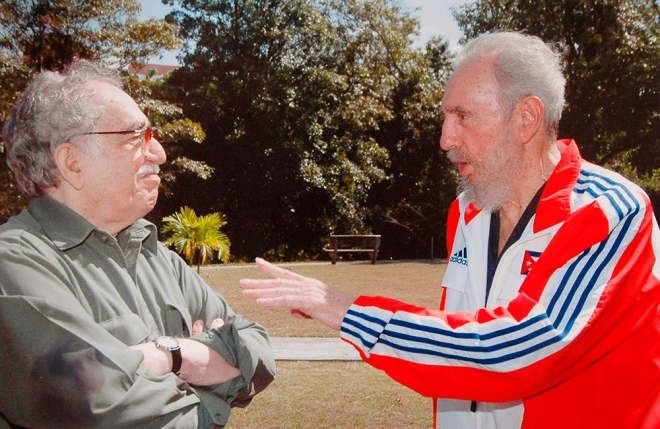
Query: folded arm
201, 365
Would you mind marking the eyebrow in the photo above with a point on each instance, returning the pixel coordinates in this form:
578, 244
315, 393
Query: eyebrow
134, 126
138, 125
456, 109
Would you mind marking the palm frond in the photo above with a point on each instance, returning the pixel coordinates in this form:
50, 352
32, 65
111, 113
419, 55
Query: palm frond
197, 237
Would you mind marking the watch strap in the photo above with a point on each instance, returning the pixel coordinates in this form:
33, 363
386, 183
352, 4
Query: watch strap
176, 361
171, 345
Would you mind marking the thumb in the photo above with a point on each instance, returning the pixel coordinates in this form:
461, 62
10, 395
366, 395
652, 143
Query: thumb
198, 327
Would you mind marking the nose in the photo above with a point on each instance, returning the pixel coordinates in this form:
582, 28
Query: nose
155, 153
448, 139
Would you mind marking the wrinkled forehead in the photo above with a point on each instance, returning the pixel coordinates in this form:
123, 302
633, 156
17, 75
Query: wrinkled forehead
471, 86
116, 105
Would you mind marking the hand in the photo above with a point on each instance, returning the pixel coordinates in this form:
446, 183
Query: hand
198, 325
302, 295
201, 365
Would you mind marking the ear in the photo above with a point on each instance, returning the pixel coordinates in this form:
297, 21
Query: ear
530, 113
67, 160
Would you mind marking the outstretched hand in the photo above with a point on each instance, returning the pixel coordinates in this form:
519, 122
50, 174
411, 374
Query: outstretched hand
302, 295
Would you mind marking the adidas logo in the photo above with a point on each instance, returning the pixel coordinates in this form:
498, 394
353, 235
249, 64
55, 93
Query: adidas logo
460, 257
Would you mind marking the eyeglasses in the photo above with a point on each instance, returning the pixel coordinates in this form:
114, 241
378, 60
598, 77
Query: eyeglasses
145, 135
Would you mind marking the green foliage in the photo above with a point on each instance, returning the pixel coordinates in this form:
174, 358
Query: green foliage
13, 76
11, 202
412, 203
304, 102
48, 34
197, 238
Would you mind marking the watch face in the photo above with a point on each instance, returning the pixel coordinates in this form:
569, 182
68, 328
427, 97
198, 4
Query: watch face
168, 343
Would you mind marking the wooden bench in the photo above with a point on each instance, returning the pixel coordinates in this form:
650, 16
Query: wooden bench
353, 243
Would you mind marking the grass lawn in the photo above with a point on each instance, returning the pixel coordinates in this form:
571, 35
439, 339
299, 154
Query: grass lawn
413, 282
333, 395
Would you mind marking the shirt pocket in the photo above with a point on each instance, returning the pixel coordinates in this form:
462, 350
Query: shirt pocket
177, 321
128, 328
460, 295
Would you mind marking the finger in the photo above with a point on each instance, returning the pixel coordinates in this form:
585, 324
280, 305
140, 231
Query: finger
217, 323
291, 302
256, 293
261, 290
277, 272
279, 284
198, 327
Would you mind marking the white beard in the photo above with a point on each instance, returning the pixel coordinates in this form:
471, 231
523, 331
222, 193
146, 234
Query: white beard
496, 174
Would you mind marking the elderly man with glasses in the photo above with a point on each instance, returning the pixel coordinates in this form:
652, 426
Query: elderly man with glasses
103, 326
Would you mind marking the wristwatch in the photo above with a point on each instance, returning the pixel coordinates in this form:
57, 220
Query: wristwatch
171, 345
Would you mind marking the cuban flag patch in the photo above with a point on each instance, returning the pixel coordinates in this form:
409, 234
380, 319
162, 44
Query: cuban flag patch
528, 261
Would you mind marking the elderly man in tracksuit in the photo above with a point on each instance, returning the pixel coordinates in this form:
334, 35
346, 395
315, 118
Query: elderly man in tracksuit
549, 307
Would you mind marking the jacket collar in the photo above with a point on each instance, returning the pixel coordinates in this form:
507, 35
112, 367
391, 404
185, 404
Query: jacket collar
67, 229
555, 204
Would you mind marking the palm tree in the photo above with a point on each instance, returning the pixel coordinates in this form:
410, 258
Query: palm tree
197, 237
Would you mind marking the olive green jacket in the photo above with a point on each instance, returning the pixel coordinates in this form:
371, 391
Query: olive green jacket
73, 298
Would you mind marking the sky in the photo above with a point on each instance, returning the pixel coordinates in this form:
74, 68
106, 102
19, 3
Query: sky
435, 18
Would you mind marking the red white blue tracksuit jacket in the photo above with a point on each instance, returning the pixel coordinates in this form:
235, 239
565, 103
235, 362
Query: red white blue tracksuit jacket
570, 336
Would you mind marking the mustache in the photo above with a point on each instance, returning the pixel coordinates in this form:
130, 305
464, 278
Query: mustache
457, 156
148, 168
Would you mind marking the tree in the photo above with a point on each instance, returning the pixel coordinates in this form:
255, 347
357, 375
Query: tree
611, 51
49, 34
293, 96
197, 237
411, 205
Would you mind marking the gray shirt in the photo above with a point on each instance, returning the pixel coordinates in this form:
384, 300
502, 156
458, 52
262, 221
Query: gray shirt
73, 298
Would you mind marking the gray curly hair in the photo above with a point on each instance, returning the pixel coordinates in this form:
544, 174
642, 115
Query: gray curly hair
523, 66
55, 108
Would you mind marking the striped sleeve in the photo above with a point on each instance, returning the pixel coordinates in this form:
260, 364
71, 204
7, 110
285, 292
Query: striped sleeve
569, 311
